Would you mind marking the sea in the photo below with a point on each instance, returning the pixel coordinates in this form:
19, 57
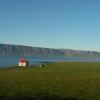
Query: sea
13, 61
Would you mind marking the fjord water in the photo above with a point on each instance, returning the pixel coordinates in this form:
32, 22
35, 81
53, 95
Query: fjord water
12, 61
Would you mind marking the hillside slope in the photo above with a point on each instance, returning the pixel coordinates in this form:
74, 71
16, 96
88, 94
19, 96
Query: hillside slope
19, 50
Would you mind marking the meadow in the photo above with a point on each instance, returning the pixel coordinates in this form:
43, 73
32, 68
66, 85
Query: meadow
55, 81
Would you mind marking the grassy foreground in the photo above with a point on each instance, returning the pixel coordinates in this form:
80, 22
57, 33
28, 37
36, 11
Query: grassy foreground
56, 81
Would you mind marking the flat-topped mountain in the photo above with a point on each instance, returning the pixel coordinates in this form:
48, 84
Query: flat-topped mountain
20, 50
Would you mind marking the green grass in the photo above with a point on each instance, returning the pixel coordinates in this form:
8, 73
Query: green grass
56, 81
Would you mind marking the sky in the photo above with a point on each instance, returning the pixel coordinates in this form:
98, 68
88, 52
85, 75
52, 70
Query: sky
69, 24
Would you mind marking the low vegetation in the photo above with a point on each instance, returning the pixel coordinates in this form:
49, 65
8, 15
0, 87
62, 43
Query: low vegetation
55, 81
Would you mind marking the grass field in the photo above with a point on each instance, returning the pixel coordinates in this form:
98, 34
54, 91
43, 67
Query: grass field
55, 81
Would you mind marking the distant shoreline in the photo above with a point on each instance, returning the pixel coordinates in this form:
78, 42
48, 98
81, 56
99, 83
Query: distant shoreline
12, 61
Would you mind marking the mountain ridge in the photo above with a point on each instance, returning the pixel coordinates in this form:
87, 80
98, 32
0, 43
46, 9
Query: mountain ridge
22, 50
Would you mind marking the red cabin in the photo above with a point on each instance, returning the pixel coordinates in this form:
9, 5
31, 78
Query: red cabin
23, 62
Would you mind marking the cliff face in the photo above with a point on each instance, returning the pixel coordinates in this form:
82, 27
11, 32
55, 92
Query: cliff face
18, 50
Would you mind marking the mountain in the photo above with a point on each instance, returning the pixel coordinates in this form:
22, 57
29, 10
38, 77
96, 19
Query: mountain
20, 50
